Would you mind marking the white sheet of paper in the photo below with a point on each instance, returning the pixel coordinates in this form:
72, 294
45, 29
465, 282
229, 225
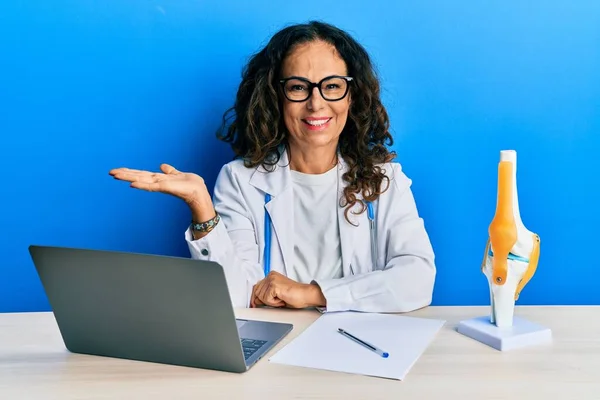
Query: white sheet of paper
320, 346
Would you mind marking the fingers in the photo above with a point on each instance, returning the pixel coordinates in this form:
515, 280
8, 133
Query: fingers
168, 169
270, 297
263, 293
141, 177
270, 303
144, 180
278, 303
253, 298
131, 175
115, 171
257, 292
128, 174
256, 302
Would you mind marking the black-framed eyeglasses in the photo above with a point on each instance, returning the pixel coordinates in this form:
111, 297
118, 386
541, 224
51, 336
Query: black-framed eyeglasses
332, 88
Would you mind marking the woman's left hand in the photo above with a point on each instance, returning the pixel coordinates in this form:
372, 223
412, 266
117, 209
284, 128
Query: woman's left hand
277, 290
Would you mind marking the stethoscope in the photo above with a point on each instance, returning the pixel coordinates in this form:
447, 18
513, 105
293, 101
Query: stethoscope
267, 257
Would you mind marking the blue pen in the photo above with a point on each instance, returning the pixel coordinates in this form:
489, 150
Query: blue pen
363, 343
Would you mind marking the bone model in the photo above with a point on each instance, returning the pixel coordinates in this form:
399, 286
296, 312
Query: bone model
512, 251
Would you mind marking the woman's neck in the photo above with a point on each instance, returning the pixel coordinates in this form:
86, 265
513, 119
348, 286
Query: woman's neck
312, 161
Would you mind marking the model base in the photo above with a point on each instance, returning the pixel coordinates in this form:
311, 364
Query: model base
522, 334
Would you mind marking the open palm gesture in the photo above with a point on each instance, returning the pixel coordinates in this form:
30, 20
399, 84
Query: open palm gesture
189, 187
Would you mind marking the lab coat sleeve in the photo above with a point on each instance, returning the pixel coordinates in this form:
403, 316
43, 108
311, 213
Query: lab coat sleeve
406, 283
232, 243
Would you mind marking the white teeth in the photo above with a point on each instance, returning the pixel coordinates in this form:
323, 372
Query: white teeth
317, 123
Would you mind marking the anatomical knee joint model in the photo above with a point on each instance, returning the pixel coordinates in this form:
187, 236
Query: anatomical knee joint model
512, 251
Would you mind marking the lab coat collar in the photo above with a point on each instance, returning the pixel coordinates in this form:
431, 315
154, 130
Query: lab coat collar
278, 179
278, 183
274, 180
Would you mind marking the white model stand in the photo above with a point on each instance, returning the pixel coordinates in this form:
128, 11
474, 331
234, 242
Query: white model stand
522, 333
509, 262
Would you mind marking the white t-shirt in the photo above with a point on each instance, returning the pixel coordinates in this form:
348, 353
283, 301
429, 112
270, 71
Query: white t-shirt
317, 251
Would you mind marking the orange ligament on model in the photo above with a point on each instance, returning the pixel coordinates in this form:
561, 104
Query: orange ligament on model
503, 230
533, 262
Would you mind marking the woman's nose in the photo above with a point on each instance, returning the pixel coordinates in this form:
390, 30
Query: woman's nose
316, 101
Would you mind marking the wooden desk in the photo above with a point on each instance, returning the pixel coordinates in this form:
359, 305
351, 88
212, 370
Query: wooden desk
34, 364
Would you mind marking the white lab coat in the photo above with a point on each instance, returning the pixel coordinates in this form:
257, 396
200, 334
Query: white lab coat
402, 280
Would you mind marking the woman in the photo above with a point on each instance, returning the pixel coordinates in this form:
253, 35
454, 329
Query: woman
290, 219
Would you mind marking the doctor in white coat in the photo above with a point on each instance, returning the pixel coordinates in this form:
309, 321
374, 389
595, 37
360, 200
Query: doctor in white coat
313, 212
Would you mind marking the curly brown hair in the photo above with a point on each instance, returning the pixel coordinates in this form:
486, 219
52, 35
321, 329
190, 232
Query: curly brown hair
257, 131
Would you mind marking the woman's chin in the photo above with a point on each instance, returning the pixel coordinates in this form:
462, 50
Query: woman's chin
325, 136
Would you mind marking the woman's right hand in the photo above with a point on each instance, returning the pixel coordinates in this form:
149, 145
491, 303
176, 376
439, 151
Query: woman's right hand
189, 187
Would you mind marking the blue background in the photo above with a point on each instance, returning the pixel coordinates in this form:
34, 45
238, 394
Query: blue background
86, 86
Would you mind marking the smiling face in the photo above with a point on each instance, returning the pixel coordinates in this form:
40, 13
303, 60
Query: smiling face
315, 122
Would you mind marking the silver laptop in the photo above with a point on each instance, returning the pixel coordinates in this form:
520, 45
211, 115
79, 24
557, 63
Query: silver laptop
151, 308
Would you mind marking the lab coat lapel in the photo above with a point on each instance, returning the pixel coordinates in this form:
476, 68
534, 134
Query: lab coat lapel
277, 183
281, 211
348, 232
